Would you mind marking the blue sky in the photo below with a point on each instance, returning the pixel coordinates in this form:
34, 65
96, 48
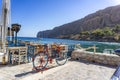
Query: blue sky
39, 15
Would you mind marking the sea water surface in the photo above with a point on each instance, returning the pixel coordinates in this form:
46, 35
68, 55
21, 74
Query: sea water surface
85, 44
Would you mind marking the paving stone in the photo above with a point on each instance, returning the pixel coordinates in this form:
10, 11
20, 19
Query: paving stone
72, 70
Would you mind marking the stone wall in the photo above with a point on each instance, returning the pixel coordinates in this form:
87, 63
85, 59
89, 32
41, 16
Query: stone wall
102, 58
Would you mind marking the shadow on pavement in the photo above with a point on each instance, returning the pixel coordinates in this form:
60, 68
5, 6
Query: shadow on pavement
33, 72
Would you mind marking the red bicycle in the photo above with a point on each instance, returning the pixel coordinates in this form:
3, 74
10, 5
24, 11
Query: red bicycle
47, 54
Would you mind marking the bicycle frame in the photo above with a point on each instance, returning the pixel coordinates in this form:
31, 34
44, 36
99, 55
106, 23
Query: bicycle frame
47, 55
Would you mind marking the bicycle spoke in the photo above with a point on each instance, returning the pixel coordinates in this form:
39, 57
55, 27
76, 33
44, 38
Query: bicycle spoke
40, 61
61, 58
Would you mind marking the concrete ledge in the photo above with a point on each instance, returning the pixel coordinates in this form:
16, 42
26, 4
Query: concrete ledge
102, 58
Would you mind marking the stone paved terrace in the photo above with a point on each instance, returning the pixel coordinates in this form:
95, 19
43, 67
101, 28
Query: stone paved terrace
72, 70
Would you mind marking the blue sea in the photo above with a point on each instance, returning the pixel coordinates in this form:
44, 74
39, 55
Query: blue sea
100, 45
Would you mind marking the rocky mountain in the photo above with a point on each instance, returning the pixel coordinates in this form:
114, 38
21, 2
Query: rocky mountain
107, 17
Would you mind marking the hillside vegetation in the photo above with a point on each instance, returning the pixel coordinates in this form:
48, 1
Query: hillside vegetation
102, 25
104, 34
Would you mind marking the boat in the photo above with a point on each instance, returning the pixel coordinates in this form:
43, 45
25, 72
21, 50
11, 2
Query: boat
117, 52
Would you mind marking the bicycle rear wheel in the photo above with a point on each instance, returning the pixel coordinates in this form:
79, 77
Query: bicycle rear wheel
61, 58
40, 61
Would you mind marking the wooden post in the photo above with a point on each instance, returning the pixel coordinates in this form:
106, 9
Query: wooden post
94, 49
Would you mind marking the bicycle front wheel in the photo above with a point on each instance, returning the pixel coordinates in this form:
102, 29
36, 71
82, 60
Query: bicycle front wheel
40, 61
61, 58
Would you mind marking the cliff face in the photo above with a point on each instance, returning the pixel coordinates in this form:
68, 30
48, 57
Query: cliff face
108, 17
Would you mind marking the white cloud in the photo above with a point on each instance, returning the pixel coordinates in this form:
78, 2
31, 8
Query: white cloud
116, 1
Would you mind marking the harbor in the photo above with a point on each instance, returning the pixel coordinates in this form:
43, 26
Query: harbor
58, 56
87, 65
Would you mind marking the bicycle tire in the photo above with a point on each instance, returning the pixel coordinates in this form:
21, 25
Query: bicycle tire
61, 60
36, 61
